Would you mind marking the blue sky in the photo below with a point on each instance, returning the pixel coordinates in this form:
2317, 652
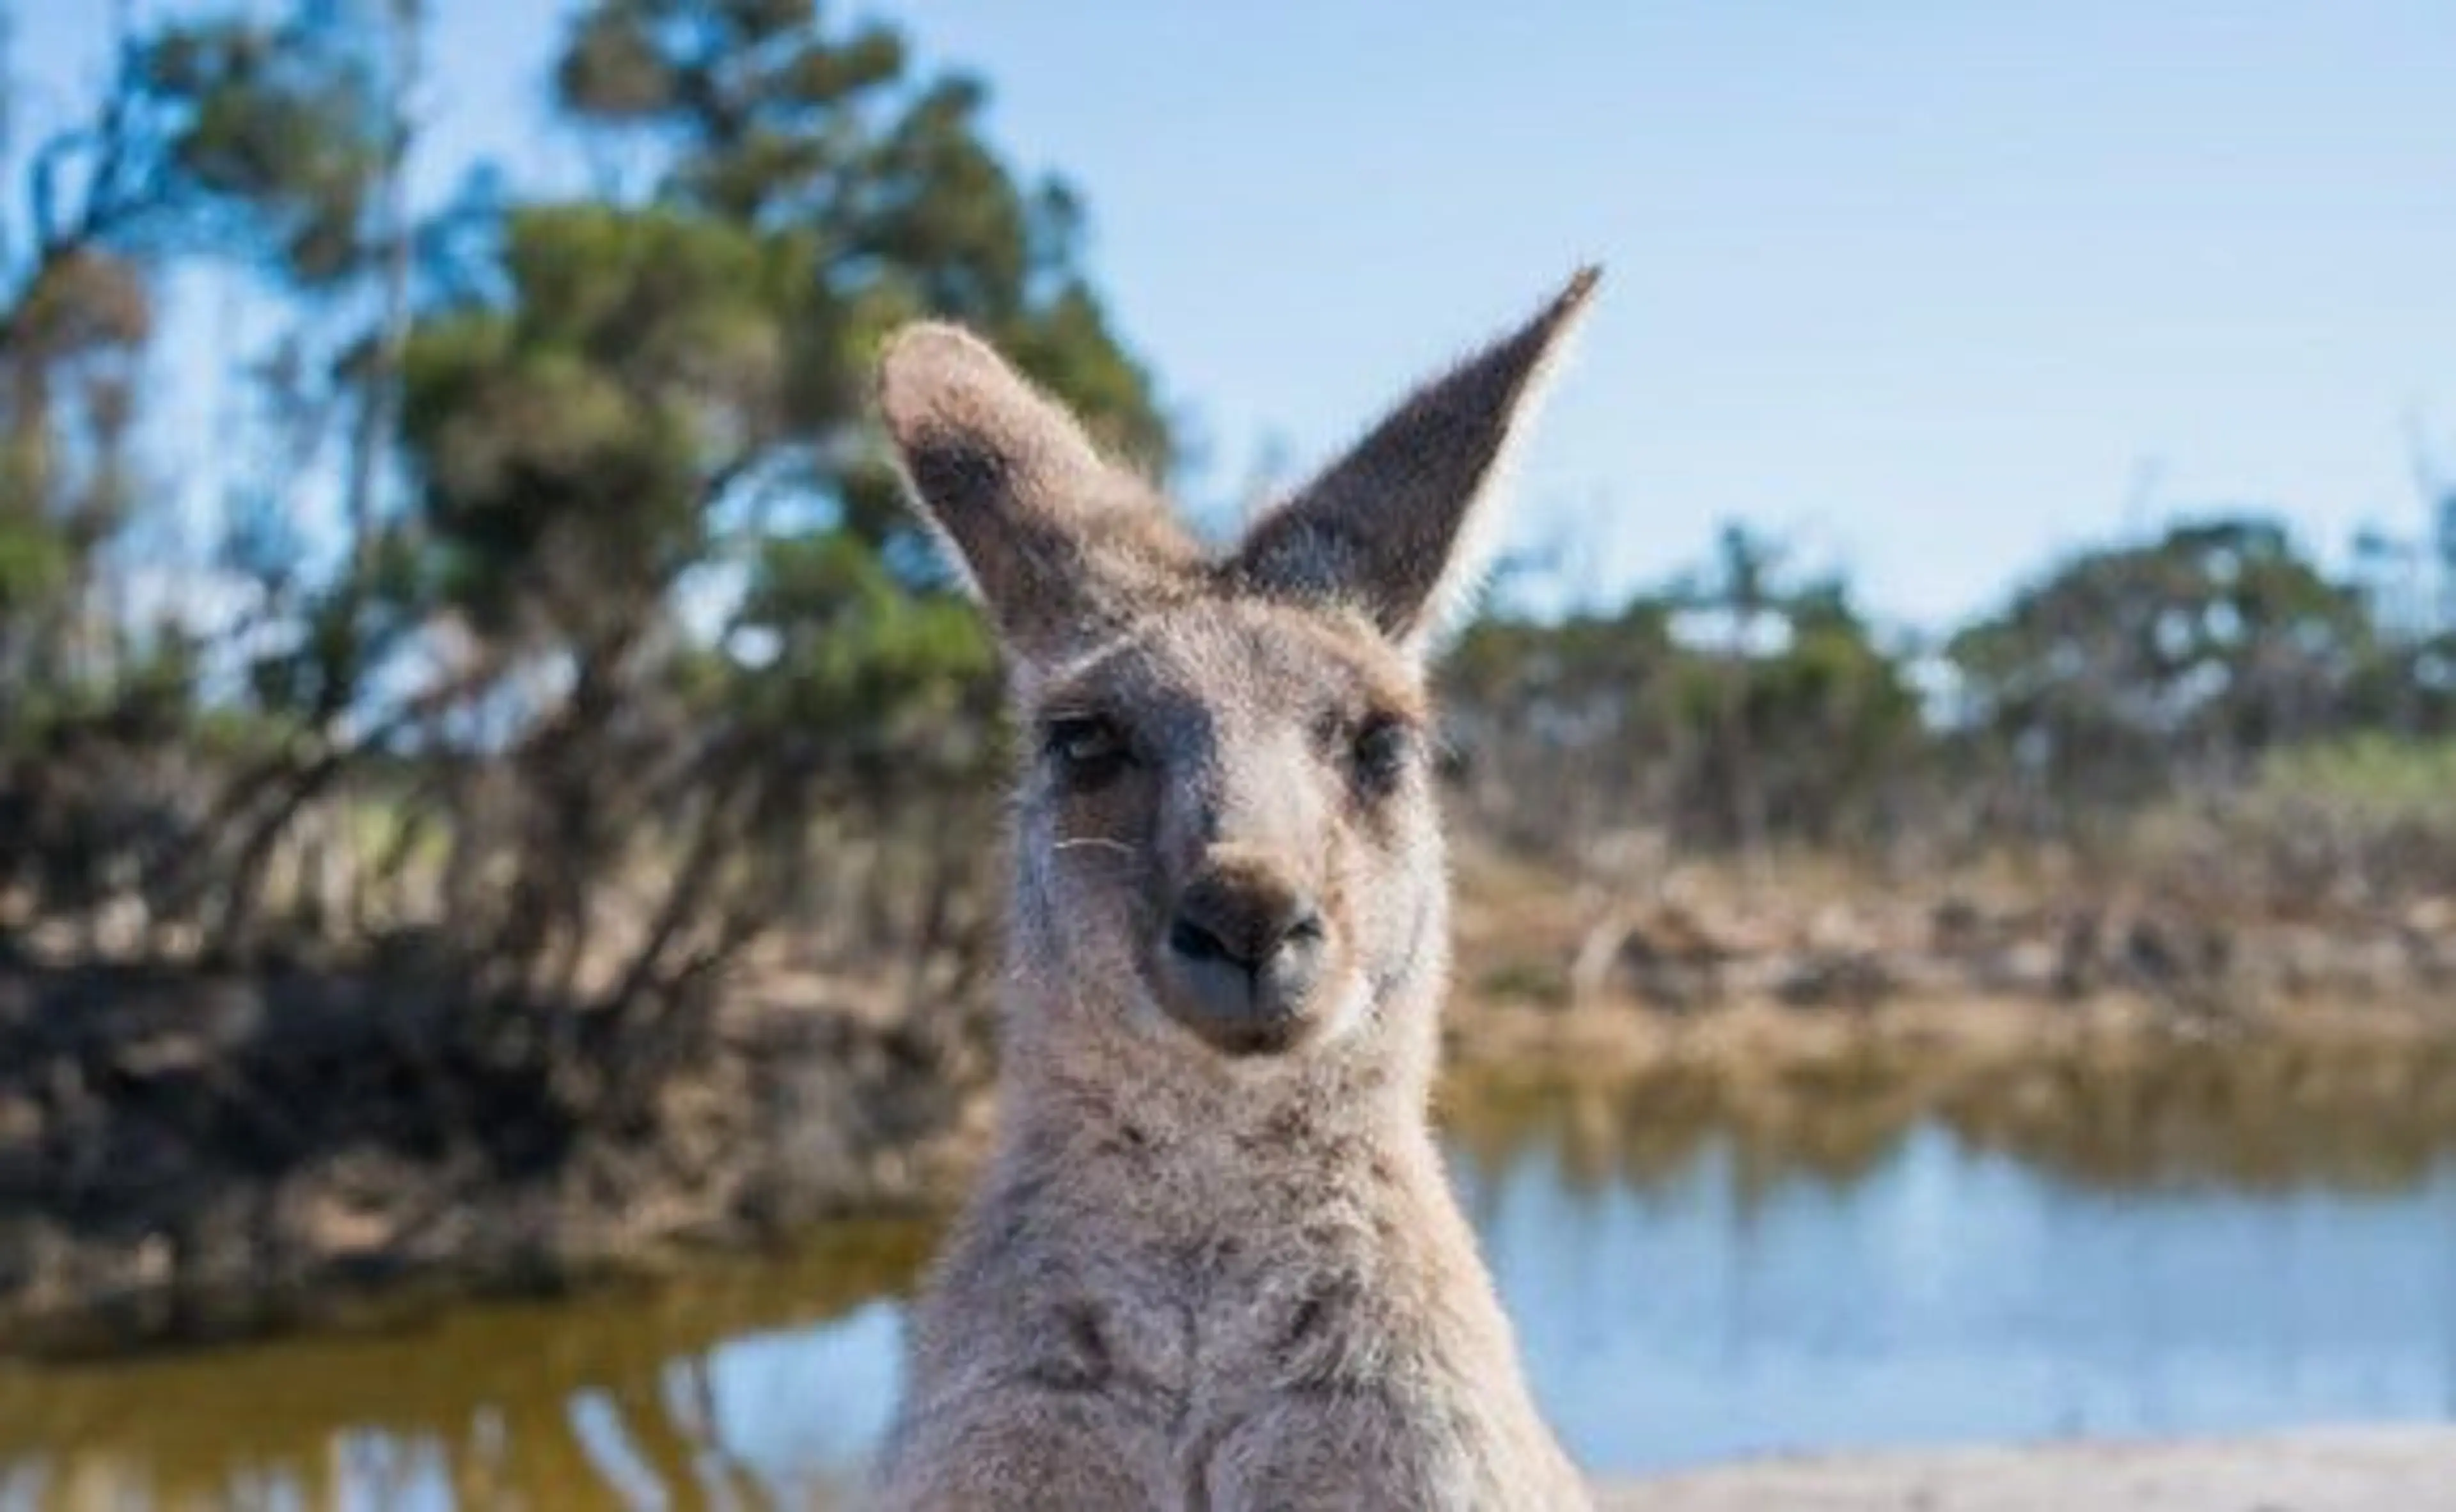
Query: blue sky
1937, 289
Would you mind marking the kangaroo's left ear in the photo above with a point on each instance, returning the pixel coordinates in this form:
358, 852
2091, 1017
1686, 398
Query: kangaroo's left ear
1400, 526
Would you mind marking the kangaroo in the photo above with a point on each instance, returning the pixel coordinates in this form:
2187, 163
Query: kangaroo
1214, 1264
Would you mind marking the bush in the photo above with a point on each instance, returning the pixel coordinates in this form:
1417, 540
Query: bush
2357, 822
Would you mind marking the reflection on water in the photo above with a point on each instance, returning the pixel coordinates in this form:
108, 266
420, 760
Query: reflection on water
748, 1384
2198, 1242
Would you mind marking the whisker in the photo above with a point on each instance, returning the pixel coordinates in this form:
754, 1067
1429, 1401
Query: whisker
1101, 841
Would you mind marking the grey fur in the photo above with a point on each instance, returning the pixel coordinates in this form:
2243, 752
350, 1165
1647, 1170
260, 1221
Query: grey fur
1216, 1265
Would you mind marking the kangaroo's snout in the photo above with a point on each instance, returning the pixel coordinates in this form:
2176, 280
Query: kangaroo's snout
1244, 952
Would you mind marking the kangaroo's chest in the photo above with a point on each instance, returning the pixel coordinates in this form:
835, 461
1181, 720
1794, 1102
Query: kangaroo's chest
1199, 1343
1225, 1315
1203, 1371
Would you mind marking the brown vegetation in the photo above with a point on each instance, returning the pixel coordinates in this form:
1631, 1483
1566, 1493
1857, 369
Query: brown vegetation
186, 1154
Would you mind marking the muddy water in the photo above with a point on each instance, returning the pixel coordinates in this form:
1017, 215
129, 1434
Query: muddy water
1696, 1275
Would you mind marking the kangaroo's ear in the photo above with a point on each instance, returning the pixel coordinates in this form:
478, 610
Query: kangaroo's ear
1400, 526
1058, 543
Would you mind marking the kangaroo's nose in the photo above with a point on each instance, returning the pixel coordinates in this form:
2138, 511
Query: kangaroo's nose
1245, 950
1243, 923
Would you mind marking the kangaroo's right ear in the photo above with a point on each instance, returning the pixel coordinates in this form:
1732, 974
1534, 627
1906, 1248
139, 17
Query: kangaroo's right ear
1058, 543
1400, 526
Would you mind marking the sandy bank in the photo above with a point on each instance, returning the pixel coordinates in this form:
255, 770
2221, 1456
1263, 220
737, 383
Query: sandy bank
2346, 1470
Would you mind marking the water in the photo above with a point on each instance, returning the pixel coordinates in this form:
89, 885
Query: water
1955, 1295
1693, 1278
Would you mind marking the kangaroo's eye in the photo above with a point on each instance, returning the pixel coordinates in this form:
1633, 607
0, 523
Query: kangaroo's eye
1087, 749
1381, 751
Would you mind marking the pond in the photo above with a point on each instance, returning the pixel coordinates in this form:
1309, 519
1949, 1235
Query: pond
1694, 1278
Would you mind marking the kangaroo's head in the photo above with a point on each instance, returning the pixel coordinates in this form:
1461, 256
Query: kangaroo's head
1227, 840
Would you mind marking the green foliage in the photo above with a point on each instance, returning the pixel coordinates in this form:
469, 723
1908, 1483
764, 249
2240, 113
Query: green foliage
658, 406
69, 343
1835, 722
1578, 669
577, 436
34, 561
278, 132
2219, 638
2358, 821
884, 672
732, 71
768, 119
2374, 779
1593, 723
568, 441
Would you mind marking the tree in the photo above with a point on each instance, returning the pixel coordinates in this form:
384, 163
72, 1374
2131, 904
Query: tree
1727, 719
1831, 727
647, 608
215, 138
1564, 734
1739, 591
646, 473
2189, 654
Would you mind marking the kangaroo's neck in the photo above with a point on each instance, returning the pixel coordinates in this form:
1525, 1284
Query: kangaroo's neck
1295, 1105
1139, 1121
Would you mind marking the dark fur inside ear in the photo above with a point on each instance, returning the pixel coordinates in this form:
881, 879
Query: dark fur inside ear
1056, 542
955, 473
1393, 526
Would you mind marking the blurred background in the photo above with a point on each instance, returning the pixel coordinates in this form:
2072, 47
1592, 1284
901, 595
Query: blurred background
1954, 780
